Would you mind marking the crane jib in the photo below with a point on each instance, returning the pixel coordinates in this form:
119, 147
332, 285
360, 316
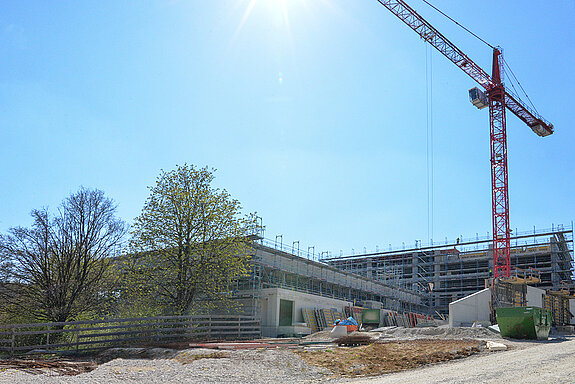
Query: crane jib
432, 36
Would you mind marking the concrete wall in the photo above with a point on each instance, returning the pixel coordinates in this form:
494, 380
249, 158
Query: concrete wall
475, 307
270, 307
572, 309
469, 309
535, 297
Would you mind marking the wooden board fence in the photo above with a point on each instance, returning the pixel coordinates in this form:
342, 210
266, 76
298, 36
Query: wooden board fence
76, 336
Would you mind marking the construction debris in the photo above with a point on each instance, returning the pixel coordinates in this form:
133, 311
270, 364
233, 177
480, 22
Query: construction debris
494, 346
58, 367
439, 333
239, 345
354, 340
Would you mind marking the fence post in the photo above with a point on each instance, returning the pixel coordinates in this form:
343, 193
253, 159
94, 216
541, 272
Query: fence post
209, 327
156, 331
47, 336
77, 338
13, 343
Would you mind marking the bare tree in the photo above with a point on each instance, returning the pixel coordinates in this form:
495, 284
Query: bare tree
59, 264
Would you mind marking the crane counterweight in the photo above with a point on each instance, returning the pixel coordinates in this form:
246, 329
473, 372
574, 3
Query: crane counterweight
542, 129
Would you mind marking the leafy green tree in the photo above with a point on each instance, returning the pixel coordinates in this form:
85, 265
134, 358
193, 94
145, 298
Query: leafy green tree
56, 269
190, 242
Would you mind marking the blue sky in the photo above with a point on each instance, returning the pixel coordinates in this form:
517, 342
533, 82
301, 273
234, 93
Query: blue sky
313, 112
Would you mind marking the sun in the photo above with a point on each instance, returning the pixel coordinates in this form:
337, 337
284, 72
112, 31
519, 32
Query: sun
273, 6
277, 10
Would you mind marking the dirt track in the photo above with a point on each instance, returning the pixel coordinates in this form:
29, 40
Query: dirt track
546, 362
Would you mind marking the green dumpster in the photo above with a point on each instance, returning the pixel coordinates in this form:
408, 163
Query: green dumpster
371, 317
524, 322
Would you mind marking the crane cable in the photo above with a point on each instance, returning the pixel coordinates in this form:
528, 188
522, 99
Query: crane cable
429, 137
491, 46
444, 14
519, 84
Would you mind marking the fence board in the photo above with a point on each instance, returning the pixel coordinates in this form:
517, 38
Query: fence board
117, 332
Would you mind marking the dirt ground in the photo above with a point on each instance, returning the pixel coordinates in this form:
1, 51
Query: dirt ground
390, 356
527, 362
395, 355
374, 359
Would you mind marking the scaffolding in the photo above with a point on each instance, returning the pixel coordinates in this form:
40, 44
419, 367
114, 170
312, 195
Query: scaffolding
275, 268
453, 270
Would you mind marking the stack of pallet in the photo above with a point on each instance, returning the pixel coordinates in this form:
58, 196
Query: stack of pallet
507, 293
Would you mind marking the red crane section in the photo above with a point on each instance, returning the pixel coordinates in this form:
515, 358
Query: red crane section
499, 185
498, 99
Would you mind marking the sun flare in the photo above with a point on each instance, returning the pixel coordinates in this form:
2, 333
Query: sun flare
276, 10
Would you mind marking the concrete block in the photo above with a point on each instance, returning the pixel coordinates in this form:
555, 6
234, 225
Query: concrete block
493, 346
338, 331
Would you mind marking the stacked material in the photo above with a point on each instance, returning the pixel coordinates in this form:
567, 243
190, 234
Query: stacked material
355, 312
320, 319
309, 318
407, 320
558, 304
397, 319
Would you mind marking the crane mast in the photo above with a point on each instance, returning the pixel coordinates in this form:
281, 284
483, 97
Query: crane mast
498, 99
499, 184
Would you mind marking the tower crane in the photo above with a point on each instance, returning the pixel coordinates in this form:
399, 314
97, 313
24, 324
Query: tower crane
495, 96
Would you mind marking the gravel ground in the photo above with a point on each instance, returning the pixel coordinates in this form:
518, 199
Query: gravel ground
401, 333
242, 366
443, 332
526, 363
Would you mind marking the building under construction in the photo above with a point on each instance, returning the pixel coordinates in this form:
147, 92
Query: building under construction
449, 271
285, 284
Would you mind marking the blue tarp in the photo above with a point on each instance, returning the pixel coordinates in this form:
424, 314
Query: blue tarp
349, 321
